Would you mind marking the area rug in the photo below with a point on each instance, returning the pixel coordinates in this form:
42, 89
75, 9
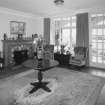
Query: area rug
72, 88
23, 97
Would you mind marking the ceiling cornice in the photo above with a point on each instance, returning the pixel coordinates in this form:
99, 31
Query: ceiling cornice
75, 11
18, 13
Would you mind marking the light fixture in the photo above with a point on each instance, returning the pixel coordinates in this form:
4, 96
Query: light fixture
59, 2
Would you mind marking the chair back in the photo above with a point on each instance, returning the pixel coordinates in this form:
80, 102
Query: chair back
48, 51
81, 51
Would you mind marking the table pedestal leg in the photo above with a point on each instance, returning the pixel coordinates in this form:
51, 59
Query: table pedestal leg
40, 84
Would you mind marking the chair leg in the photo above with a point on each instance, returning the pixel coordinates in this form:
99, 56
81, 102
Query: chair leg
79, 68
75, 67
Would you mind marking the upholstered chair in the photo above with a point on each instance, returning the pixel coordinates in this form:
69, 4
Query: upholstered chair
80, 56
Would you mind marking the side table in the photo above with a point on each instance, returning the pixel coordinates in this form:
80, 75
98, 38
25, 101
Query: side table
62, 58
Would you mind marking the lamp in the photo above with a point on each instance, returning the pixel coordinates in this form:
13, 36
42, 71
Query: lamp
59, 2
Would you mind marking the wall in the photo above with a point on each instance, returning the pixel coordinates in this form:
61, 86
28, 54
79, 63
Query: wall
34, 23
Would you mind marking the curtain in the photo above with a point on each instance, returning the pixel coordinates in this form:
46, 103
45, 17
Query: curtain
82, 30
82, 34
47, 30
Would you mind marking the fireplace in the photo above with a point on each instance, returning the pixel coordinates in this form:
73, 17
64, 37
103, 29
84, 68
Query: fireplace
16, 51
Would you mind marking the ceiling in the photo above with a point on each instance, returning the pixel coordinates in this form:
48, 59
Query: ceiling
48, 8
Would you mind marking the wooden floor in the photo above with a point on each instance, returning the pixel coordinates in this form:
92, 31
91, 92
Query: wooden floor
91, 70
5, 72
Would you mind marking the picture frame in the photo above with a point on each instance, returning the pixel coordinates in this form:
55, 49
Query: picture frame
17, 27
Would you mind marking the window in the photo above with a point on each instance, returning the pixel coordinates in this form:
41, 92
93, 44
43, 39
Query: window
98, 38
64, 32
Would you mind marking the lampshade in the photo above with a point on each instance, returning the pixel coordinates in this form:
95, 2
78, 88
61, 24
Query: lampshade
59, 2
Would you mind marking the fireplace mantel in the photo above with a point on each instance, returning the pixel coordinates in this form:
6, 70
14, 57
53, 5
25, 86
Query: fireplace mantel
10, 45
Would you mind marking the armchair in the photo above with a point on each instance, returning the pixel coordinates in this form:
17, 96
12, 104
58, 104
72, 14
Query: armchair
80, 56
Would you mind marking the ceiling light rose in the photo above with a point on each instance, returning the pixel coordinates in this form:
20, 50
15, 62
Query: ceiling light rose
59, 2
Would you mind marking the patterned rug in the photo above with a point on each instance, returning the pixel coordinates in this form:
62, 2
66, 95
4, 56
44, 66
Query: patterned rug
68, 88
23, 97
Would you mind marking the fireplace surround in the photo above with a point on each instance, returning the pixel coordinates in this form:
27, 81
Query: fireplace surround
16, 46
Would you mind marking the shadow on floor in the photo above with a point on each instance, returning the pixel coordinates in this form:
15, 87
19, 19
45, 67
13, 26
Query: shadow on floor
6, 72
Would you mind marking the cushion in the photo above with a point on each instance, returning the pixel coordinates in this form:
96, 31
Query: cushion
79, 57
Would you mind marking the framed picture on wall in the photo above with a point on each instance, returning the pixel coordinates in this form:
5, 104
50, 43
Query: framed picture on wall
17, 27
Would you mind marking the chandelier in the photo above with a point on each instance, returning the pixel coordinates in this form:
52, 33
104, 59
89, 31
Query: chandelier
59, 2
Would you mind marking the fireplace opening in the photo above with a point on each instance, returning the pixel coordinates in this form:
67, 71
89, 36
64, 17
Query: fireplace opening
20, 56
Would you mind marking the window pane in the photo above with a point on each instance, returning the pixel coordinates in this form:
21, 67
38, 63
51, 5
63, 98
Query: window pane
94, 59
104, 39
93, 15
74, 24
104, 45
73, 37
94, 39
64, 19
100, 53
99, 31
100, 45
100, 23
94, 31
99, 38
67, 25
104, 56
99, 60
94, 45
65, 36
104, 31
104, 53
74, 17
94, 52
99, 14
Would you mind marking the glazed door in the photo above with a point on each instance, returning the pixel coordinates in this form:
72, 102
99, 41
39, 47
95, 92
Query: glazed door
97, 41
